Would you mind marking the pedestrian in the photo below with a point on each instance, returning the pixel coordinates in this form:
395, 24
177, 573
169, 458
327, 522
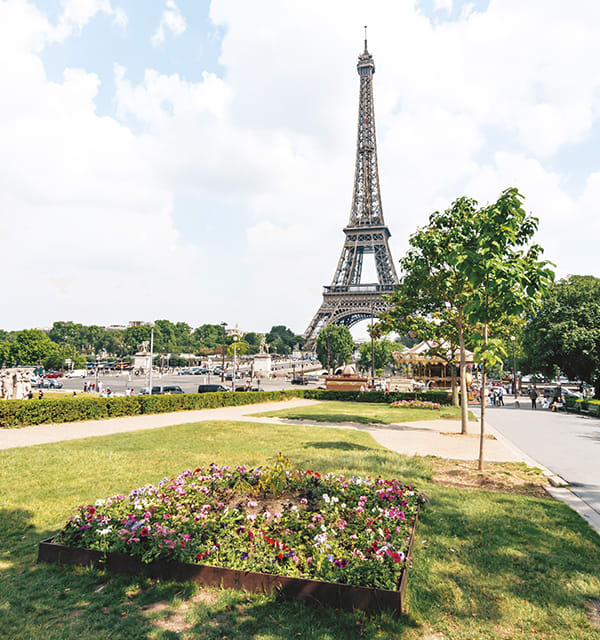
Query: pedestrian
500, 397
533, 396
40, 395
493, 397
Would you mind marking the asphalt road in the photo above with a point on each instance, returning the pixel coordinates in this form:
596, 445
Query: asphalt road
567, 444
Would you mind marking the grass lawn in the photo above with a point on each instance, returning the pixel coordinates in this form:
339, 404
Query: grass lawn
486, 564
364, 413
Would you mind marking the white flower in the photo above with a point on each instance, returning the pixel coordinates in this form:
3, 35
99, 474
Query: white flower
326, 498
100, 502
343, 505
335, 499
103, 532
323, 528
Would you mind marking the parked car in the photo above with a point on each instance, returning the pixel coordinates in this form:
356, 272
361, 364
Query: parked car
300, 380
52, 374
169, 389
212, 388
52, 383
76, 373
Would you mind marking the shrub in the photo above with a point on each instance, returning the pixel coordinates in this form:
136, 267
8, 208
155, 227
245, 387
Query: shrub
441, 397
20, 413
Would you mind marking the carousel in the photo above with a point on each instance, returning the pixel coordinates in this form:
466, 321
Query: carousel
430, 365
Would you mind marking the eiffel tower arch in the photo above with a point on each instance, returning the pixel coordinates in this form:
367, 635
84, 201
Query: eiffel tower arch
348, 300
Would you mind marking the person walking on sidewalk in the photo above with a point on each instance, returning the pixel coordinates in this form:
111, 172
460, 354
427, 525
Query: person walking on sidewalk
533, 396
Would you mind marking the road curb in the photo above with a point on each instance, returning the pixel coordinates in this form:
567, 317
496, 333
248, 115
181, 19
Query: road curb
577, 504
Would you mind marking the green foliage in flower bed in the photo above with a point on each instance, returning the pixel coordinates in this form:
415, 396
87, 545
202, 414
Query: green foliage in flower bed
416, 404
351, 530
19, 413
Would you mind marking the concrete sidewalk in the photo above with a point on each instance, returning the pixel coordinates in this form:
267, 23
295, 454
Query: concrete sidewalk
46, 433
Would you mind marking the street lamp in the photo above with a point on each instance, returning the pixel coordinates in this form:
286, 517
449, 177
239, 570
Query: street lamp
512, 339
223, 324
372, 351
151, 356
235, 339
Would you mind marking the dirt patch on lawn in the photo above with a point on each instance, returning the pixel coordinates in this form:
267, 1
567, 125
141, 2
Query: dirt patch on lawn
593, 612
175, 620
507, 477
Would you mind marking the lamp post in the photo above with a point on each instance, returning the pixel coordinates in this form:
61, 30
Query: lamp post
151, 357
223, 324
372, 352
513, 339
235, 339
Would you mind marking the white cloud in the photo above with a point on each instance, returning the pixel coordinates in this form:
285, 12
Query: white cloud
77, 13
446, 5
266, 151
172, 20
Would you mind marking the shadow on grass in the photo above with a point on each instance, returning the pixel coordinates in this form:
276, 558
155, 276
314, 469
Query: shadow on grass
505, 549
341, 445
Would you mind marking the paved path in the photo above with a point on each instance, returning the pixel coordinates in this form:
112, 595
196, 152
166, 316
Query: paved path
45, 433
568, 444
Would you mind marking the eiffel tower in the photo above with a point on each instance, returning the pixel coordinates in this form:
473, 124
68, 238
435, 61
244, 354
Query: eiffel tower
347, 300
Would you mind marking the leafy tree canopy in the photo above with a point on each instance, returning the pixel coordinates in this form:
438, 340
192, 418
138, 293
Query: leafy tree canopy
334, 346
565, 331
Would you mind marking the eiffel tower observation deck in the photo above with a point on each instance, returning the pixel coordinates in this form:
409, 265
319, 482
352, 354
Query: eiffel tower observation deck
348, 300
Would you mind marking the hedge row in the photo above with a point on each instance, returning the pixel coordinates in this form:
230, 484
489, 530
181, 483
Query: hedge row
579, 405
441, 397
20, 413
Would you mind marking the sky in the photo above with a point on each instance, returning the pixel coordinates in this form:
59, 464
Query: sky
194, 159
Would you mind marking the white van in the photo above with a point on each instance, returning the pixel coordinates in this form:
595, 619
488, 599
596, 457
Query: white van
76, 373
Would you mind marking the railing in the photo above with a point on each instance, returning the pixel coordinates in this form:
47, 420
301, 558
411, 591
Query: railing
360, 288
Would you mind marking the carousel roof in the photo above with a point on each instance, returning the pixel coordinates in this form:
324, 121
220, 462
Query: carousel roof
429, 352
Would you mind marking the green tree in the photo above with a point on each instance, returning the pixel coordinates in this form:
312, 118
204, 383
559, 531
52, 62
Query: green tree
383, 354
507, 278
134, 336
565, 331
30, 347
209, 336
432, 293
240, 348
282, 339
334, 346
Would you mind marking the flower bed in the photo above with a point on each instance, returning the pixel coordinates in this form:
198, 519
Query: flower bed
416, 404
299, 524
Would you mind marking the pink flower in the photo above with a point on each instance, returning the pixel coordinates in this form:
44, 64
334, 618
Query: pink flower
303, 501
251, 517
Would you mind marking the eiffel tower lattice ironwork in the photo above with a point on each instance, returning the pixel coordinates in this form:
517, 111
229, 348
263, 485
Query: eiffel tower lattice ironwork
347, 300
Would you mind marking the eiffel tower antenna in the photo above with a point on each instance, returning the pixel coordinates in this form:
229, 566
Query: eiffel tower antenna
348, 300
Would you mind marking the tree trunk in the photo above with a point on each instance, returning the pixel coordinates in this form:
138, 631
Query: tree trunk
482, 417
464, 399
453, 385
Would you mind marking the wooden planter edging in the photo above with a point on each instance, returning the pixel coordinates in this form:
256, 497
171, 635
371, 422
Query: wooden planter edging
343, 596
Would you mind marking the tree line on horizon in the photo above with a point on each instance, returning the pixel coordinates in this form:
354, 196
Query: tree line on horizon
80, 343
